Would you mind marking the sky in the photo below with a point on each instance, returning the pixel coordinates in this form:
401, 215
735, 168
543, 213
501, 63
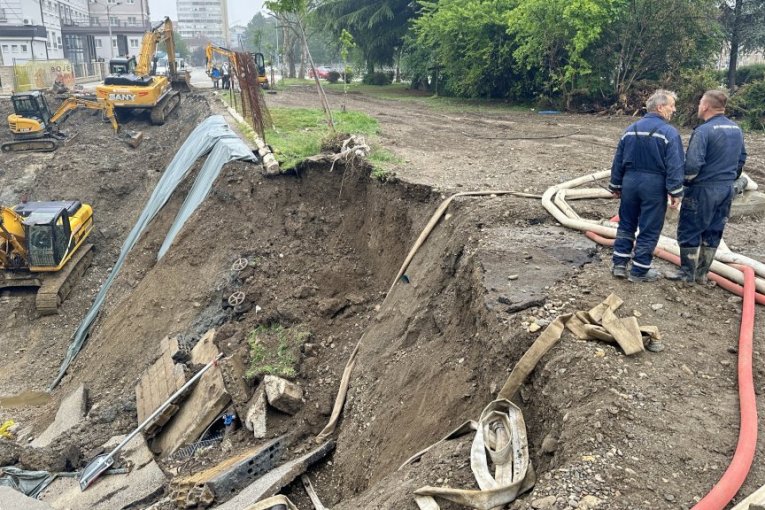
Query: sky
240, 12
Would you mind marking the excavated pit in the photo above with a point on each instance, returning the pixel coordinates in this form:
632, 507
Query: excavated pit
432, 355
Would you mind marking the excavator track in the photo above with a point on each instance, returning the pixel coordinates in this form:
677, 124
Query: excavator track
36, 145
56, 286
166, 105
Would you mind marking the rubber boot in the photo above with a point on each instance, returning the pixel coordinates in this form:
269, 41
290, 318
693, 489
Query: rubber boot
689, 258
706, 257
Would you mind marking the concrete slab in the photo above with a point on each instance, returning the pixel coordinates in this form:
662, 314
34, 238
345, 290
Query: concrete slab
112, 492
109, 492
11, 499
207, 400
751, 203
273, 481
157, 384
70, 413
255, 419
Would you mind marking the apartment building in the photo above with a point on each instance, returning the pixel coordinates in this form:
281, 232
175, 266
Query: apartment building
204, 18
23, 31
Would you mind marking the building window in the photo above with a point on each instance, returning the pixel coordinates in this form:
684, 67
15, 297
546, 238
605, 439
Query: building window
113, 21
133, 43
114, 43
130, 1
132, 20
99, 43
5, 48
94, 20
2, 15
14, 48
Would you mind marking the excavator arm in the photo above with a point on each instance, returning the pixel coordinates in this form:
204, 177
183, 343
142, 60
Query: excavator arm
212, 49
11, 239
73, 103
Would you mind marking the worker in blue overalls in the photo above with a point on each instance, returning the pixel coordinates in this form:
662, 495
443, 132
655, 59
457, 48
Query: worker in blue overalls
647, 167
713, 166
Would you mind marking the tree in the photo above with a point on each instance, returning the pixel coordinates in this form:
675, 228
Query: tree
377, 26
744, 24
181, 48
554, 36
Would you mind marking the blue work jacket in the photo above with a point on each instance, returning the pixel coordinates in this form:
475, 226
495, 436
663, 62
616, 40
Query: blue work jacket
716, 152
650, 145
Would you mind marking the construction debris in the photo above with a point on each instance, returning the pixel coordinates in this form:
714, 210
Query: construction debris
221, 481
157, 383
282, 394
70, 413
273, 481
207, 400
255, 419
11, 499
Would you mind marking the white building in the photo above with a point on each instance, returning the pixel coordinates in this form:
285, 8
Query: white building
23, 33
204, 18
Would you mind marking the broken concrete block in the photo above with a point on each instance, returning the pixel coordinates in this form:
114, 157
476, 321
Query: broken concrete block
108, 492
220, 482
751, 203
207, 400
70, 413
157, 384
11, 499
255, 419
273, 481
283, 394
111, 491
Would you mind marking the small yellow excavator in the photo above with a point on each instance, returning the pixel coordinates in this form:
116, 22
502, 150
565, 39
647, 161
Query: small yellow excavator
42, 244
257, 58
35, 128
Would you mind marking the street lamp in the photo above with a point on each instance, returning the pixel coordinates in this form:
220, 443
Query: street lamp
109, 21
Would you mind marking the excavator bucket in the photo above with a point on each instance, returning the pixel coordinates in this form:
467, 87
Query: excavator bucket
132, 138
181, 81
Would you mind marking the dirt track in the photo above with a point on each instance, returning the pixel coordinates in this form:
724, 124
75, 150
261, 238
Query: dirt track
650, 431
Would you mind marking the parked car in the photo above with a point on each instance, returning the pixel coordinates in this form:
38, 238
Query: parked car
321, 71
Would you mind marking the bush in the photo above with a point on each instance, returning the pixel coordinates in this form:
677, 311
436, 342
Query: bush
748, 74
690, 88
377, 78
333, 77
749, 104
348, 75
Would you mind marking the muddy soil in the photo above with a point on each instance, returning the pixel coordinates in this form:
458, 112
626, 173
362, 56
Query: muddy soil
651, 431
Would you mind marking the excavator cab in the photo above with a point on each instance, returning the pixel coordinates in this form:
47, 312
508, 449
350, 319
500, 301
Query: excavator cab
31, 113
48, 230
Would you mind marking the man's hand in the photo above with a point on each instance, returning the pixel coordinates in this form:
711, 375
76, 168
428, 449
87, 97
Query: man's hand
616, 194
674, 202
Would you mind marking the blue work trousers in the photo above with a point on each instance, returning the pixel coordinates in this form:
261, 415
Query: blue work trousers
703, 215
643, 206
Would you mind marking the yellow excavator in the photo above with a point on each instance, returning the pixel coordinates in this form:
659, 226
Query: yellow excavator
260, 63
42, 244
35, 128
133, 84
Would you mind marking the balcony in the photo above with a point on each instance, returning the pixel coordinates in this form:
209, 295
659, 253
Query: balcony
123, 27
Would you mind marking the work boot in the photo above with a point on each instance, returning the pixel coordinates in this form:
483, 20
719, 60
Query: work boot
706, 257
619, 271
650, 276
689, 258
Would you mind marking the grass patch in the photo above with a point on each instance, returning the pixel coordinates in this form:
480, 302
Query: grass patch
383, 162
274, 350
299, 132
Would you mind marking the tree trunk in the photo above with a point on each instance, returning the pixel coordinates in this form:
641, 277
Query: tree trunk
734, 43
303, 59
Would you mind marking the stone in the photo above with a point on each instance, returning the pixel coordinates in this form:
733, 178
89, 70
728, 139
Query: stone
255, 419
11, 499
656, 307
534, 327
588, 503
543, 503
549, 444
70, 413
282, 394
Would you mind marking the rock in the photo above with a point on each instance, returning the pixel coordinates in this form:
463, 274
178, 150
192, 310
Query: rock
283, 394
549, 444
70, 413
534, 327
512, 277
656, 307
543, 503
588, 503
256, 414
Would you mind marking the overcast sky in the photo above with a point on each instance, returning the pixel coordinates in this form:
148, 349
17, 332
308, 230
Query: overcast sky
240, 12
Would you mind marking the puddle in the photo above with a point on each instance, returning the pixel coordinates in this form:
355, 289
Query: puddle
25, 399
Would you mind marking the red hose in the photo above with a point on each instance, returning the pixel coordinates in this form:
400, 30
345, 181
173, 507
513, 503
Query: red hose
724, 491
733, 478
721, 281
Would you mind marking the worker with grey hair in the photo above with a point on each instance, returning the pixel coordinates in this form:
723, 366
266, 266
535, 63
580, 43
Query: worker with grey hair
713, 167
647, 167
